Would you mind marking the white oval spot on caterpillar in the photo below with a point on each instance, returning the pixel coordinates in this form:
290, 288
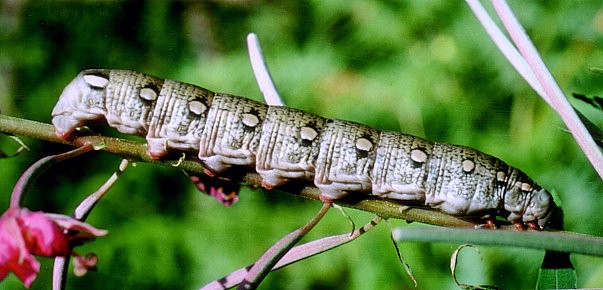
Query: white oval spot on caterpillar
307, 133
501, 176
418, 155
526, 186
197, 107
148, 94
364, 144
468, 165
96, 81
250, 120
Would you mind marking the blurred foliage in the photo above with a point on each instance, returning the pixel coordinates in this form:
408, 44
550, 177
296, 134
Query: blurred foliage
421, 67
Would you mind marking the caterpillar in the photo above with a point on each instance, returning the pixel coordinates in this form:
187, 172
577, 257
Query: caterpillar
339, 157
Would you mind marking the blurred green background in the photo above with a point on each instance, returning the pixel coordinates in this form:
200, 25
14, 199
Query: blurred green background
422, 67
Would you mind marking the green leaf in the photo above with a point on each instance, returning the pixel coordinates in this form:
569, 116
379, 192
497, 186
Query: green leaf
557, 272
546, 240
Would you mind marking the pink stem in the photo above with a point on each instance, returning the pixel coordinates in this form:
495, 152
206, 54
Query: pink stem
265, 264
554, 93
37, 168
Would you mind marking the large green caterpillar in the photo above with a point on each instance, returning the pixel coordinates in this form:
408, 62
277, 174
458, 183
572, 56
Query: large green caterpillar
340, 157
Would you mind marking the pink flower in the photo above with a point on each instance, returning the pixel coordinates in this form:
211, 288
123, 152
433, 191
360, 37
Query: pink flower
24, 233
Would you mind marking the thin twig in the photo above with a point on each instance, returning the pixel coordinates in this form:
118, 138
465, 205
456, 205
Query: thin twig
128, 149
22, 147
38, 168
507, 48
544, 76
137, 151
61, 264
264, 265
260, 70
59, 272
295, 254
529, 64
325, 244
84, 208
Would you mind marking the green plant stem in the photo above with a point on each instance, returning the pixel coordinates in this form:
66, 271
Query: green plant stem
136, 151
554, 241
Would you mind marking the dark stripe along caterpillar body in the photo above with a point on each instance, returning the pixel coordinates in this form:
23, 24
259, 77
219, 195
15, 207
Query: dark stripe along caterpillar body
284, 143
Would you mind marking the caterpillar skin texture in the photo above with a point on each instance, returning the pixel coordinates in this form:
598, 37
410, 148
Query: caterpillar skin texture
340, 157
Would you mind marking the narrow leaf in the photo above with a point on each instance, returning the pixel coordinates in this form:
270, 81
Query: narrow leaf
556, 241
557, 272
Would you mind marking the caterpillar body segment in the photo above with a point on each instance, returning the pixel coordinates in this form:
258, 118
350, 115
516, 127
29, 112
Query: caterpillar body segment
345, 159
178, 118
289, 146
339, 157
402, 165
232, 132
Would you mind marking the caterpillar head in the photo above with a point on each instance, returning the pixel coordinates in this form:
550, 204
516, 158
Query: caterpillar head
529, 203
81, 101
540, 208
